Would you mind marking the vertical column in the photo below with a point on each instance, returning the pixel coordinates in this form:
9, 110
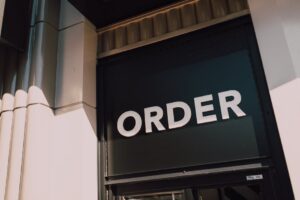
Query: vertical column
36, 167
277, 28
10, 67
19, 121
108, 40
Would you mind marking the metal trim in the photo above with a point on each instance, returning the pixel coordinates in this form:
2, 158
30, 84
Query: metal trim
186, 174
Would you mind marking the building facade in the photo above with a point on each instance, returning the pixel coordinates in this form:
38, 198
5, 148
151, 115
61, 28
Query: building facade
55, 94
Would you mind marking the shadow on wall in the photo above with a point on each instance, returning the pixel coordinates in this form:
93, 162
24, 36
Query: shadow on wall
38, 145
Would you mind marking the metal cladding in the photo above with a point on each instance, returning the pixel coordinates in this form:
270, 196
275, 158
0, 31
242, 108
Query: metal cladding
219, 8
20, 71
121, 36
160, 24
108, 41
133, 33
203, 11
188, 15
166, 21
146, 28
173, 20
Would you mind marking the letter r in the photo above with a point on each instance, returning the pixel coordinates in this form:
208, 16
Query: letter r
233, 104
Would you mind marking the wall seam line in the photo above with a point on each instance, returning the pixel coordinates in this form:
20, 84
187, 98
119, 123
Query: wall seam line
70, 26
42, 21
75, 104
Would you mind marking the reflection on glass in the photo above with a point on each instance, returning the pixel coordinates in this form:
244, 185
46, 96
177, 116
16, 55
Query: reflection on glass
241, 192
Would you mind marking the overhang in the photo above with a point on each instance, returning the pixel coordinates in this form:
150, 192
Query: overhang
106, 12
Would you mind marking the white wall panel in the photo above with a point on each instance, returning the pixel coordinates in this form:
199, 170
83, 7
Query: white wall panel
286, 105
16, 155
6, 125
74, 156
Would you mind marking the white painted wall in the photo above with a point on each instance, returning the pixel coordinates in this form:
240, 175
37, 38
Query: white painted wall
286, 103
5, 138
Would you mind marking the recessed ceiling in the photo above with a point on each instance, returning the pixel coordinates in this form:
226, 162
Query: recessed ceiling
106, 12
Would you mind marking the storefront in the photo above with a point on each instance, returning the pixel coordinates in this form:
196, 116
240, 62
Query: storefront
190, 117
173, 100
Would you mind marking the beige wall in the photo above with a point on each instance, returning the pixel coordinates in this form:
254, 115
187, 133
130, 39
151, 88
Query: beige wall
286, 100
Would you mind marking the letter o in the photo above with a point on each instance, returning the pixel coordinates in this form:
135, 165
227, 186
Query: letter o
136, 128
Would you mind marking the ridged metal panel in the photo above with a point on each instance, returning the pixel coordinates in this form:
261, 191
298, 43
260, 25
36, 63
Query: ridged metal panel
237, 5
120, 37
165, 23
173, 20
188, 15
133, 33
6, 119
108, 40
203, 10
160, 24
146, 28
219, 8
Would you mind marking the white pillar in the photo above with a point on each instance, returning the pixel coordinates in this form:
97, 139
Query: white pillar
19, 123
7, 117
38, 147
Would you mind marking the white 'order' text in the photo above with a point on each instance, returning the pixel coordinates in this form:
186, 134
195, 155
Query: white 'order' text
154, 114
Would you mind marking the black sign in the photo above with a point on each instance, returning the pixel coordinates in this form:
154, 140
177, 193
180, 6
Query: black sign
186, 102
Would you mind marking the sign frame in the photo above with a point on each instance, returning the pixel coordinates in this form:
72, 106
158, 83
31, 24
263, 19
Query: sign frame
276, 161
